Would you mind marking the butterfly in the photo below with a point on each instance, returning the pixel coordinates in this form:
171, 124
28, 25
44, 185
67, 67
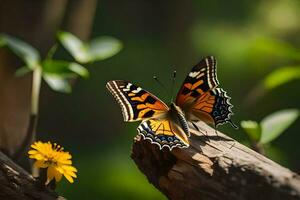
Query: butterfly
199, 99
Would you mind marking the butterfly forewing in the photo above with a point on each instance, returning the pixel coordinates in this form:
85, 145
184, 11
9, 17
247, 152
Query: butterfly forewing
201, 98
201, 79
136, 103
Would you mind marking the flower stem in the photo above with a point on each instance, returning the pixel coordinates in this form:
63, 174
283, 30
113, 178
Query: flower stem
35, 91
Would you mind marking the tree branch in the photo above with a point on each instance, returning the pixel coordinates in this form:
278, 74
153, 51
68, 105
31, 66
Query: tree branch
17, 184
214, 167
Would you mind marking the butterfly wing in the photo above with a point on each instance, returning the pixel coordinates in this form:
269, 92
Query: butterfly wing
200, 97
201, 79
164, 133
212, 107
136, 103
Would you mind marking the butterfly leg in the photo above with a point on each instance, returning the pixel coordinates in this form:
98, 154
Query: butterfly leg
204, 132
232, 145
195, 126
215, 128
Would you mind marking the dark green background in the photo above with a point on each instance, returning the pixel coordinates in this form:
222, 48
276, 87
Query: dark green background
249, 38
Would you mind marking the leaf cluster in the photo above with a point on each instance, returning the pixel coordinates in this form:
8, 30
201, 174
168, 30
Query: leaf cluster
270, 127
57, 73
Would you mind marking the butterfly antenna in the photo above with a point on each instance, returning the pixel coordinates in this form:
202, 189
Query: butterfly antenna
173, 85
160, 83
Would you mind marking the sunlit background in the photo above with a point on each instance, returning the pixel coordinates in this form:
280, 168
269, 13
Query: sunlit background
250, 39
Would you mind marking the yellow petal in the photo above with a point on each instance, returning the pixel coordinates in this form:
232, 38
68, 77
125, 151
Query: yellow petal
40, 164
71, 174
69, 168
65, 162
32, 152
69, 178
37, 157
60, 169
67, 155
58, 176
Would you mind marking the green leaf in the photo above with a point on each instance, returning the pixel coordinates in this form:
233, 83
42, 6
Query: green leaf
52, 51
281, 76
276, 123
275, 47
253, 130
64, 69
22, 71
98, 49
75, 46
78, 69
27, 53
57, 83
2, 42
104, 47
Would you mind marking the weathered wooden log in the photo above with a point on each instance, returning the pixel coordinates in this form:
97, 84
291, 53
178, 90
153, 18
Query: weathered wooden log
17, 184
214, 167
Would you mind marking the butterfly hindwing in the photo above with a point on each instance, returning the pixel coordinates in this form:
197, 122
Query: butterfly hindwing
164, 133
201, 79
222, 107
213, 107
136, 103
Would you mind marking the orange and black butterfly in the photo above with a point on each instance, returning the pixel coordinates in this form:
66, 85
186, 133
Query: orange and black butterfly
199, 99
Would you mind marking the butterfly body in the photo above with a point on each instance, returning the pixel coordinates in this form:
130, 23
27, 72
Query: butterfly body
178, 116
199, 99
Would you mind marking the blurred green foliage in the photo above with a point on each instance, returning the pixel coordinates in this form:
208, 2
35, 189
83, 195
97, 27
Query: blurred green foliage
24, 51
275, 124
270, 127
58, 72
252, 129
97, 49
281, 76
54, 72
257, 46
110, 176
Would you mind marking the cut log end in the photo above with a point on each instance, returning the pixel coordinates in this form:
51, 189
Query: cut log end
214, 167
17, 184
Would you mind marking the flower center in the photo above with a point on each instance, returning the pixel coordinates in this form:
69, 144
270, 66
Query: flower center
50, 160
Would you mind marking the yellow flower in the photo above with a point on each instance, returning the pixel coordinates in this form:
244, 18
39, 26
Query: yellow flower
52, 157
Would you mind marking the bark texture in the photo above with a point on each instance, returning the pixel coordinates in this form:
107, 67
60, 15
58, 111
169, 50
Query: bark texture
17, 184
214, 167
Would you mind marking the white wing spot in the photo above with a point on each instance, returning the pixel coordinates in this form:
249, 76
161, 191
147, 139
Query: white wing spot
127, 89
193, 74
200, 75
137, 90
